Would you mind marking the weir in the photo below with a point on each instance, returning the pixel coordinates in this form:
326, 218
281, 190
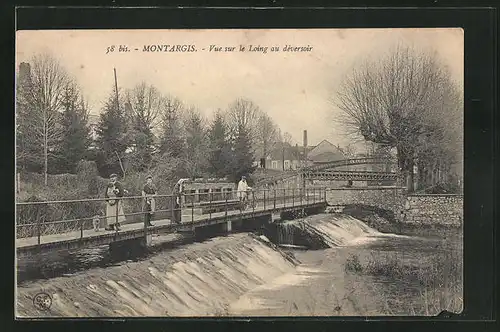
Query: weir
204, 278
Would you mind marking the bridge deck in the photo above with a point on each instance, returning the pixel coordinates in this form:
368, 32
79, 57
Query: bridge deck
135, 230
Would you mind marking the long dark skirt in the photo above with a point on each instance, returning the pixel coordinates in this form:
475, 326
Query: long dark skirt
176, 214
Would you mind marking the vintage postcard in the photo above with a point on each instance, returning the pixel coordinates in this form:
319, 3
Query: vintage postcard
264, 172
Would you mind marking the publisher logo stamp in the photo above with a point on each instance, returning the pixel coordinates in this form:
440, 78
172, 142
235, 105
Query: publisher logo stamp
42, 301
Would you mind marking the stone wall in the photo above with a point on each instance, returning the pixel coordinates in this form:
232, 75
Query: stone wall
388, 198
422, 209
434, 209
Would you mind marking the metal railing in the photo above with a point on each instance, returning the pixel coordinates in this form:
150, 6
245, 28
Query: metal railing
75, 218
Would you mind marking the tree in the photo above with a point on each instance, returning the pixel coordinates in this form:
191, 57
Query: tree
142, 108
112, 139
284, 142
41, 96
397, 102
75, 133
220, 147
242, 156
172, 140
28, 147
243, 114
267, 134
196, 153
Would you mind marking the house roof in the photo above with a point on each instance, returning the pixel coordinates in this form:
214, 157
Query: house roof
325, 152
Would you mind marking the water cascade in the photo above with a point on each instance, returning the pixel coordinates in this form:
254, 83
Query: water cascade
199, 279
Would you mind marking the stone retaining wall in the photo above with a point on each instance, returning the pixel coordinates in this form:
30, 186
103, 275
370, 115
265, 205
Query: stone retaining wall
432, 209
388, 198
424, 209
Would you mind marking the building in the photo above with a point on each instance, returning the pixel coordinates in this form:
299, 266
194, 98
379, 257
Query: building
324, 152
286, 157
290, 157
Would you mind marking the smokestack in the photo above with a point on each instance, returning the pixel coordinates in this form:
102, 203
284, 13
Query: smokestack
24, 71
305, 138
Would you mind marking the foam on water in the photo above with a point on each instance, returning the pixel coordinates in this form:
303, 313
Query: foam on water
340, 230
201, 279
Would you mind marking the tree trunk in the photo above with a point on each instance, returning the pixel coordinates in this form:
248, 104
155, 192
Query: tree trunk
410, 177
45, 150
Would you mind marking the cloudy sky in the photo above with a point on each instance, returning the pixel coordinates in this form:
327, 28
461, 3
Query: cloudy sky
294, 88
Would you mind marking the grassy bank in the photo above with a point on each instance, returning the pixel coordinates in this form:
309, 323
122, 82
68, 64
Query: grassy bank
422, 287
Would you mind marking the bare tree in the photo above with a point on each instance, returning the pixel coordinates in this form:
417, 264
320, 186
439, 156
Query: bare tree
396, 102
266, 136
43, 95
349, 151
142, 108
243, 114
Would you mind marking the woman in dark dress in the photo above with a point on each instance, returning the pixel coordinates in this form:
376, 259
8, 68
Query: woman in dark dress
149, 205
114, 205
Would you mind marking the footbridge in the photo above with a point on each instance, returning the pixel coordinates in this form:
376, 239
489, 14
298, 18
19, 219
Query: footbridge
331, 171
63, 225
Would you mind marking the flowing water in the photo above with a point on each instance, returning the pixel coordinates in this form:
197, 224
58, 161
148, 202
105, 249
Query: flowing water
239, 275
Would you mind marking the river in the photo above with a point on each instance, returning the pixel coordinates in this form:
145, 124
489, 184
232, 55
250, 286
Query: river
362, 272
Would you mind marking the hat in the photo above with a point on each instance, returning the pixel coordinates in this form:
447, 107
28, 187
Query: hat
113, 176
149, 177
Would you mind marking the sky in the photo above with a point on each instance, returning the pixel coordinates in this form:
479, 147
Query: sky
294, 88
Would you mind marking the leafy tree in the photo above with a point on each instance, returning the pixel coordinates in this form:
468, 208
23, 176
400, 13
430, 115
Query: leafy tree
172, 140
112, 140
196, 154
242, 156
220, 147
75, 133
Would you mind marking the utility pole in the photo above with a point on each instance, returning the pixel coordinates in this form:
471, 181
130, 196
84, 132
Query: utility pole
116, 91
118, 110
304, 160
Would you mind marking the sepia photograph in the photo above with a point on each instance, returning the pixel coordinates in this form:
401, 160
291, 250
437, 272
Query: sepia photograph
239, 172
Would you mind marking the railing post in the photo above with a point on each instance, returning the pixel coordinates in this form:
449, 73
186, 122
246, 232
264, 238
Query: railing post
116, 217
314, 195
81, 228
264, 199
293, 197
38, 230
192, 209
210, 205
284, 197
274, 198
225, 206
253, 201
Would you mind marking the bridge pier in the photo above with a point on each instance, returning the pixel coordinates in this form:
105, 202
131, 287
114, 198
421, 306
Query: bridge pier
122, 250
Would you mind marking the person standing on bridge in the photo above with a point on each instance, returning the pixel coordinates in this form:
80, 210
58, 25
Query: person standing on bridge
243, 188
148, 192
114, 204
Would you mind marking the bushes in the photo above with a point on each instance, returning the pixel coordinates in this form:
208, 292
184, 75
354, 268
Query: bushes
84, 185
439, 280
